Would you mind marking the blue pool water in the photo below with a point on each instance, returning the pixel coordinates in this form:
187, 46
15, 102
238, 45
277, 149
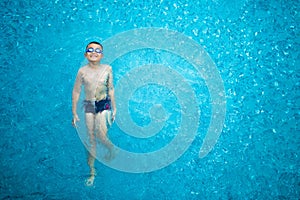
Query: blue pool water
255, 48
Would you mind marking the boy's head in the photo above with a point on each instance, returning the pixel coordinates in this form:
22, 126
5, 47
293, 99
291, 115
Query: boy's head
94, 42
94, 52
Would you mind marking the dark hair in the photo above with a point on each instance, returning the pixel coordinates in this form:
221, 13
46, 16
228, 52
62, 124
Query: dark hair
94, 42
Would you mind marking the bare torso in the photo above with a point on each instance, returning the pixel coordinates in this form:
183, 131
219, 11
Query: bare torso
96, 81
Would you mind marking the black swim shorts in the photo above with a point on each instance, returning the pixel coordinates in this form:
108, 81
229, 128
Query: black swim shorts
97, 106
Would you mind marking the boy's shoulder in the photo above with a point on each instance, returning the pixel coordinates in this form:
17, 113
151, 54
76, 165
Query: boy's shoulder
107, 67
82, 70
82, 67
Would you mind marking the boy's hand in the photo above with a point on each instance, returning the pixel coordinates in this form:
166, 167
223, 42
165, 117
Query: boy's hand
74, 120
113, 117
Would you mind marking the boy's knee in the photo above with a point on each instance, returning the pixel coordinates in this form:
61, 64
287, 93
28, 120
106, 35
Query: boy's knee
90, 131
102, 137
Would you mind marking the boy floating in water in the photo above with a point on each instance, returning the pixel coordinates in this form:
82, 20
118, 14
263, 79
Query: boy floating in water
99, 104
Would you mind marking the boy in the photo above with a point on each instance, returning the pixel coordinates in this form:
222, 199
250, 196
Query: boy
99, 105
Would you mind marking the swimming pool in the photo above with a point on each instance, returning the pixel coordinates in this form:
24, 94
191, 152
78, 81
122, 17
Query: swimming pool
254, 46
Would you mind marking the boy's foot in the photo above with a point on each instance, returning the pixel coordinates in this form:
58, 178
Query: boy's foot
90, 181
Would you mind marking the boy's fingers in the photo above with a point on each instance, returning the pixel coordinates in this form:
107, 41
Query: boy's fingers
74, 122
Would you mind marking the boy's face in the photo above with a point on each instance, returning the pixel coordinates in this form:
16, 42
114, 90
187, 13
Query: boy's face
92, 53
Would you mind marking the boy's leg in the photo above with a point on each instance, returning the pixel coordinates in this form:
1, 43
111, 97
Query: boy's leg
90, 124
101, 130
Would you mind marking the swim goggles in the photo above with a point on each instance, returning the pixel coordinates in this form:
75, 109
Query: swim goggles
91, 50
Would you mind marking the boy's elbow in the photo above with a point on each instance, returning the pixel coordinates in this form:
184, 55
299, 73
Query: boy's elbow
111, 92
75, 94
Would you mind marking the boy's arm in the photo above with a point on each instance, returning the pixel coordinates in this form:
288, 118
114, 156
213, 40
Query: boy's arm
113, 102
75, 97
111, 92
